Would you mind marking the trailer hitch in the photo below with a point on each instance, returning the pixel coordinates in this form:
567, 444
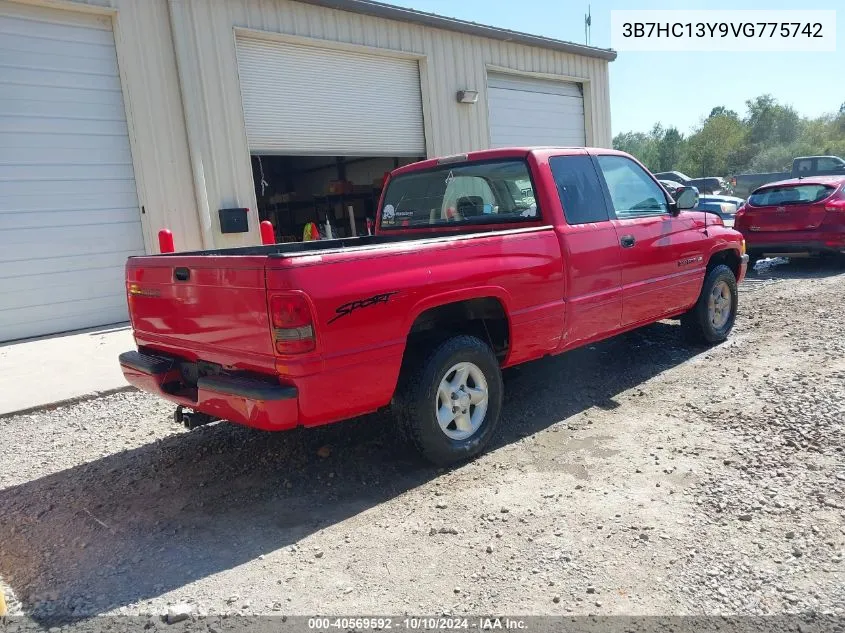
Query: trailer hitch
191, 419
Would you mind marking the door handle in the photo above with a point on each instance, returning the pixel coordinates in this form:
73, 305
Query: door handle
627, 241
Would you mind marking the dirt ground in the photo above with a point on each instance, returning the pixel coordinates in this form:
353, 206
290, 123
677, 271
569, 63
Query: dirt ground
636, 476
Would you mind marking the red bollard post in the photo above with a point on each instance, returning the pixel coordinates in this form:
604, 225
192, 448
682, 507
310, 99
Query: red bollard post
165, 241
268, 235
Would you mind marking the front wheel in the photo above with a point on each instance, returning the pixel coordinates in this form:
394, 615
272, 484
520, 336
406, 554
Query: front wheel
449, 400
712, 318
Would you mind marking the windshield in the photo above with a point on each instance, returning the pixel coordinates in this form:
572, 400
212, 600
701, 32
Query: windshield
473, 193
790, 194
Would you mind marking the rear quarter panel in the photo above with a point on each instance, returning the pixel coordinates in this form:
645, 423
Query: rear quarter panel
366, 302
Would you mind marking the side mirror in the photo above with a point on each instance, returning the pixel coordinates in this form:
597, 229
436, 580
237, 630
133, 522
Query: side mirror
686, 198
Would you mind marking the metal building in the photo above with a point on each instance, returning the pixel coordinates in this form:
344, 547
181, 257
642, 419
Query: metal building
122, 117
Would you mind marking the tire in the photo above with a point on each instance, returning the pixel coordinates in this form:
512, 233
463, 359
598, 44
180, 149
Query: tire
419, 397
753, 258
703, 324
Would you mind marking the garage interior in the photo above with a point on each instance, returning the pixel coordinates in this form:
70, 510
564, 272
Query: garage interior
294, 191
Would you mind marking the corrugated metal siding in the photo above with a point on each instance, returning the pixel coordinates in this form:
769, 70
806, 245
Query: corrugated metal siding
205, 50
157, 125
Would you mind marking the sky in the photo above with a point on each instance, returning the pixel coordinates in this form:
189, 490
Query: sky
674, 89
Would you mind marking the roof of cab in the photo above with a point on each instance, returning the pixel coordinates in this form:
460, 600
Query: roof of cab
500, 153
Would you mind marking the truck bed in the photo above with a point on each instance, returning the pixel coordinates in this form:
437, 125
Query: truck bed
292, 249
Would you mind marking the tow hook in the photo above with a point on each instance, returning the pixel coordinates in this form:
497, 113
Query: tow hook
191, 419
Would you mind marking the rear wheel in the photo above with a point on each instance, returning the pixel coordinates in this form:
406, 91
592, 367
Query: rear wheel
712, 318
450, 398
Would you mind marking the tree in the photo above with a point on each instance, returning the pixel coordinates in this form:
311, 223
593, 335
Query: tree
640, 145
767, 138
670, 150
710, 149
770, 123
722, 111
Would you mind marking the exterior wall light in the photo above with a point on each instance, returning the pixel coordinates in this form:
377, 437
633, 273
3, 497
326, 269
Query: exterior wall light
467, 96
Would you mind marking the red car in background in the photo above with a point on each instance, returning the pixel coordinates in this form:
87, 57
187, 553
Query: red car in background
801, 215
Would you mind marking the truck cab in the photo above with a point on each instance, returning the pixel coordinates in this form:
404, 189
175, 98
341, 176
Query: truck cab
804, 166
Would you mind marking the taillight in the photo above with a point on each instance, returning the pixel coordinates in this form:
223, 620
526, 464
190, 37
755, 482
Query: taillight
293, 324
836, 203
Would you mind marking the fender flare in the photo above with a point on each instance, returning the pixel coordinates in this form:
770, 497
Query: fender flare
457, 296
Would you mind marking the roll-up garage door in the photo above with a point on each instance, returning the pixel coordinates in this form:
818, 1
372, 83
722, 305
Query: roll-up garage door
69, 212
526, 111
308, 100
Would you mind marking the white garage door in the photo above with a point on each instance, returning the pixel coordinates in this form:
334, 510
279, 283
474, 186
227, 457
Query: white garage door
69, 212
315, 101
526, 111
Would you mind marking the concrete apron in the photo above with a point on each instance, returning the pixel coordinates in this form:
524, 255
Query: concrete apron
50, 370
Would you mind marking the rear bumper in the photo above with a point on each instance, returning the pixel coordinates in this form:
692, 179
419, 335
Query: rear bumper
250, 401
772, 243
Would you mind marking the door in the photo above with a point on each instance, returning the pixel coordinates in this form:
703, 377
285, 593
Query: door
828, 165
307, 100
662, 255
524, 111
69, 213
592, 258
782, 208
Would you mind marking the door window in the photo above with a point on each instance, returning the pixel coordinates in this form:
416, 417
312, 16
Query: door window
579, 189
632, 191
829, 164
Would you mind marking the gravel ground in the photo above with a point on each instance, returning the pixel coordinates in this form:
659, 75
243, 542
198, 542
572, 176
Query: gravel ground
636, 476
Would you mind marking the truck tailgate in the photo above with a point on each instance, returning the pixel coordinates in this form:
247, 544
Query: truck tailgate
201, 307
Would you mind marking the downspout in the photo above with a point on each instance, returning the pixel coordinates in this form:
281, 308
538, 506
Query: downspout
179, 36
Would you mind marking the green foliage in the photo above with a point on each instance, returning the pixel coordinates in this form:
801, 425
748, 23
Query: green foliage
722, 111
714, 148
767, 138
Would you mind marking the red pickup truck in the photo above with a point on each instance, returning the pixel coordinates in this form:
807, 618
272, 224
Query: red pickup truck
480, 262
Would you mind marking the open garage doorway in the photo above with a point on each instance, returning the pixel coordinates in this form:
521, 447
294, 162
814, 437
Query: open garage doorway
324, 126
307, 197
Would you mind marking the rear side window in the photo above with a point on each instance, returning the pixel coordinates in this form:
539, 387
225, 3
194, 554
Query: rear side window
790, 194
472, 193
579, 189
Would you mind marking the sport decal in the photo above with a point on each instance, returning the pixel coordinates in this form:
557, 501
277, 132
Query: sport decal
349, 308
